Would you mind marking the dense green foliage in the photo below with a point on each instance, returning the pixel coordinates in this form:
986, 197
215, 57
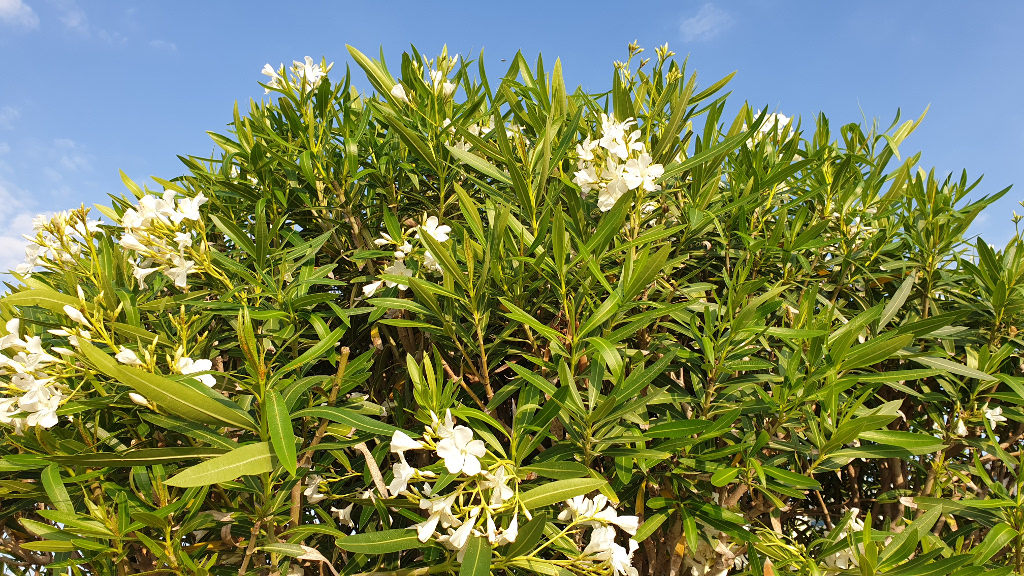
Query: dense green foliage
775, 346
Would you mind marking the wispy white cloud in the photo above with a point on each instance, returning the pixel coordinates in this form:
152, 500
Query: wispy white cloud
164, 45
74, 18
8, 114
70, 156
15, 220
17, 13
707, 23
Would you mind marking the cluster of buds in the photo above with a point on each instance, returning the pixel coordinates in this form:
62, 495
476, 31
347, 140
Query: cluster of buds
33, 374
481, 129
404, 248
306, 75
615, 163
160, 233
59, 239
473, 504
439, 83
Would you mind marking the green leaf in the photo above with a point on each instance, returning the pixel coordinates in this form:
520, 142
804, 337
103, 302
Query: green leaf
42, 297
529, 534
724, 476
997, 538
479, 164
55, 490
316, 352
140, 457
651, 523
349, 418
954, 367
282, 437
792, 478
284, 549
245, 461
678, 429
237, 236
603, 312
557, 470
477, 561
381, 542
558, 491
169, 395
898, 299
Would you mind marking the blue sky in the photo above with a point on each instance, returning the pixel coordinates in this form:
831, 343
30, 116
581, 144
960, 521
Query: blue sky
88, 88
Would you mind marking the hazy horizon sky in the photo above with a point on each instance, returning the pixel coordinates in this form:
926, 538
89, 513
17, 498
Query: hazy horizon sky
89, 88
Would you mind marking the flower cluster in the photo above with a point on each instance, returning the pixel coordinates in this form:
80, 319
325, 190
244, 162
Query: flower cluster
158, 231
60, 238
404, 248
306, 74
598, 514
714, 555
615, 163
31, 377
773, 128
849, 557
474, 502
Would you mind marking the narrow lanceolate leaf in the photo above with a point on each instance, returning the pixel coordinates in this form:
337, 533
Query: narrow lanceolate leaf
792, 478
349, 418
954, 367
55, 490
279, 424
559, 491
480, 165
898, 299
141, 457
245, 461
169, 395
42, 297
477, 561
381, 542
316, 352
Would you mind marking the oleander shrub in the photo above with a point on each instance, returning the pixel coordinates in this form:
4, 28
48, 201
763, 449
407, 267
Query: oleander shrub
472, 324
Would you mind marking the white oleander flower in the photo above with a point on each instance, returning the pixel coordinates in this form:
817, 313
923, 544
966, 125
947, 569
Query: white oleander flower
628, 524
127, 356
994, 415
397, 269
461, 453
639, 172
188, 208
614, 189
439, 233
498, 484
312, 491
585, 149
439, 510
129, 241
76, 314
444, 429
403, 473
400, 442
369, 289
138, 399
961, 428
179, 272
399, 93
275, 79
587, 178
344, 515
188, 366
140, 274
